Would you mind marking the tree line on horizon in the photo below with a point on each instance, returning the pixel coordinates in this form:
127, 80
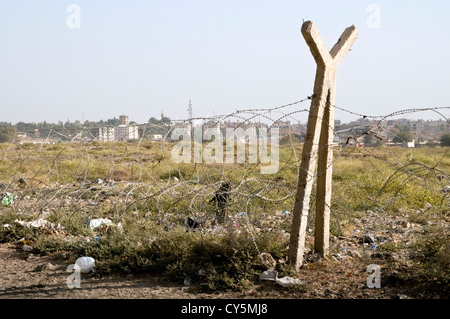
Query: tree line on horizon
9, 130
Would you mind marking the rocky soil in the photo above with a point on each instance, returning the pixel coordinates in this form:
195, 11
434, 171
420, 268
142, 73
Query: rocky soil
27, 274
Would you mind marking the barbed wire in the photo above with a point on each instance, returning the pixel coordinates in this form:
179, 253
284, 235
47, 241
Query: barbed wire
122, 177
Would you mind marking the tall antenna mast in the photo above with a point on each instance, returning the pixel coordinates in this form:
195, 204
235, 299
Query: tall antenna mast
190, 111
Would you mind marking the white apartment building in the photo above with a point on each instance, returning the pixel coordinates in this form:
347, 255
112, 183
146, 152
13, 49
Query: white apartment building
124, 132
106, 134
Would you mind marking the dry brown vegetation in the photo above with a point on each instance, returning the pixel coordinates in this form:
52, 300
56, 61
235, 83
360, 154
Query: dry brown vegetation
395, 194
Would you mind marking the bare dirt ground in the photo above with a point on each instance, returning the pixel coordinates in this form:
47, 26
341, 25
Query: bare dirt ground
31, 276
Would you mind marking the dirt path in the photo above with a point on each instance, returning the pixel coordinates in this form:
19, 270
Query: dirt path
31, 276
25, 275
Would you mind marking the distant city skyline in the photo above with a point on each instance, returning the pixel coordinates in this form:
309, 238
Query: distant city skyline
96, 60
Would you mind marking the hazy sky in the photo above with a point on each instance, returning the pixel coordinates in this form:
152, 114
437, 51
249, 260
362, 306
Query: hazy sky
143, 56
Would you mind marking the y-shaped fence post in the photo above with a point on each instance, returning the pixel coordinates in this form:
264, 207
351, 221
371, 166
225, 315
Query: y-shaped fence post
318, 144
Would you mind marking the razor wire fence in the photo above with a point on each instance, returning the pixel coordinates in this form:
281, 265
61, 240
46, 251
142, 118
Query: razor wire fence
68, 172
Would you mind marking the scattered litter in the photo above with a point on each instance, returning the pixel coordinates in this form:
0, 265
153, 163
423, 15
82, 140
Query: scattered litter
86, 264
187, 281
99, 181
8, 200
38, 223
369, 239
27, 248
20, 241
447, 189
193, 223
201, 272
283, 213
98, 222
427, 205
94, 239
338, 257
288, 281
242, 214
270, 275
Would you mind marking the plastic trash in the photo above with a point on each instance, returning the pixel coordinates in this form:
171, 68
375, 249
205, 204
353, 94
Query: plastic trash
8, 199
282, 213
288, 281
369, 239
86, 264
38, 223
193, 223
98, 222
201, 272
20, 241
27, 248
187, 281
270, 275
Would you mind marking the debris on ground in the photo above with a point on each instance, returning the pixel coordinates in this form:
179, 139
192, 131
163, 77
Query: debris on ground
27, 248
94, 223
38, 223
283, 213
288, 281
266, 261
272, 275
192, 223
8, 199
86, 264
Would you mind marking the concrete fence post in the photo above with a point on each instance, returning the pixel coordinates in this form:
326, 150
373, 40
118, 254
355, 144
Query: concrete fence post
318, 146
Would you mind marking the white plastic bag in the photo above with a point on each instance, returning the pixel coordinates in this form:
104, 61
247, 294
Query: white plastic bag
270, 275
288, 281
86, 264
98, 222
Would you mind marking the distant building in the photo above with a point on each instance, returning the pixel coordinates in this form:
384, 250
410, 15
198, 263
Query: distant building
125, 132
411, 144
104, 134
157, 137
124, 120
